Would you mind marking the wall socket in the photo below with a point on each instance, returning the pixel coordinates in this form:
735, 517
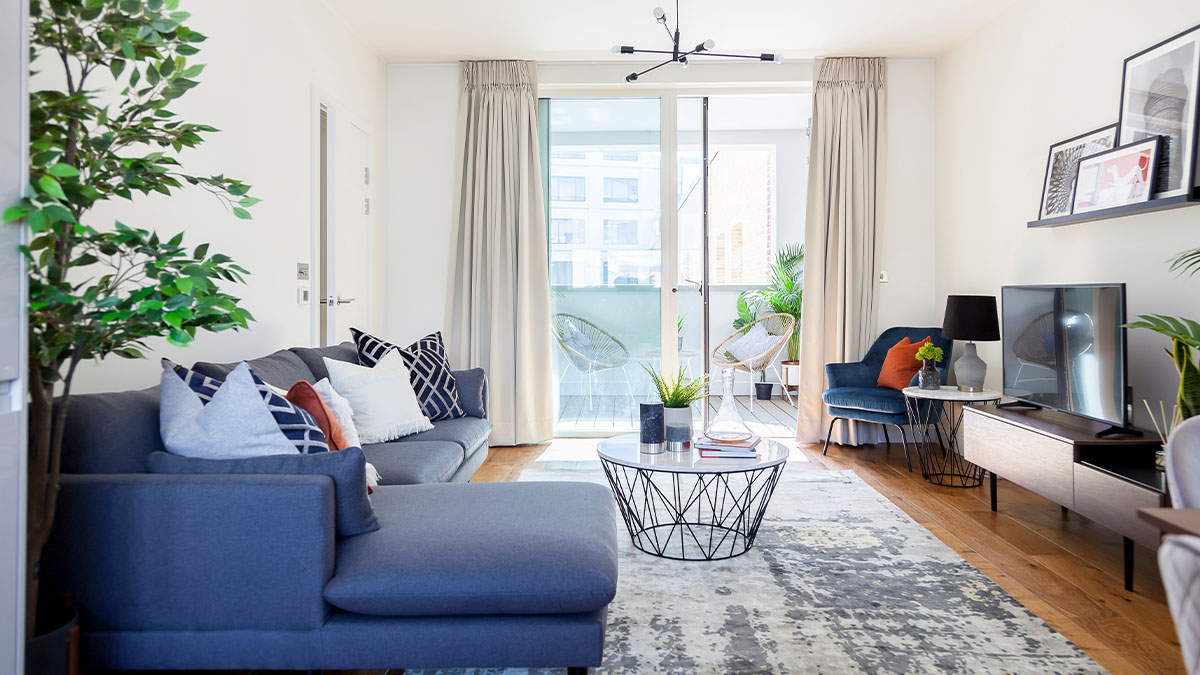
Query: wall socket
302, 271
883, 277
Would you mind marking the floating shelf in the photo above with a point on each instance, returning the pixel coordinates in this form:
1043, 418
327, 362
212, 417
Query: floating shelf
1118, 211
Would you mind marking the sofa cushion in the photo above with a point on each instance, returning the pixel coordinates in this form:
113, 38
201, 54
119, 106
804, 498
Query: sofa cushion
314, 357
281, 369
428, 366
353, 513
468, 432
111, 433
481, 548
874, 399
412, 463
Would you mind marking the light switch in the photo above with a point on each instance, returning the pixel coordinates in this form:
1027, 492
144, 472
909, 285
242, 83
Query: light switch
302, 271
883, 277
302, 294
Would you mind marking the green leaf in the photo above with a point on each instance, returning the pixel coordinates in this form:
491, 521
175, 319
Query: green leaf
184, 284
52, 187
200, 252
116, 66
63, 171
242, 213
127, 49
249, 201
14, 213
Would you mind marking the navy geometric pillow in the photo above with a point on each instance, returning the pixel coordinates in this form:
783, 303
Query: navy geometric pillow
296, 424
428, 371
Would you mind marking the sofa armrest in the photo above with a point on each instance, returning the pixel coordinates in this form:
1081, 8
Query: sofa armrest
193, 552
472, 391
849, 375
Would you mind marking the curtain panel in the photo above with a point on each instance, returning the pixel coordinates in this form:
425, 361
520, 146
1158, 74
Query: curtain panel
845, 191
500, 301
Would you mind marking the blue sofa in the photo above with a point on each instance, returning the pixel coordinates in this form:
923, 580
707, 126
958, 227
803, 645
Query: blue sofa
226, 571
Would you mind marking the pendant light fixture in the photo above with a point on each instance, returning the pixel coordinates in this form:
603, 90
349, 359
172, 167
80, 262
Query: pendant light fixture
680, 56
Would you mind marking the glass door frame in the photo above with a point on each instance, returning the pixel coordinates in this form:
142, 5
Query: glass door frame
669, 96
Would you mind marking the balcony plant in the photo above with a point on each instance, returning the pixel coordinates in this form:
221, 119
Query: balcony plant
677, 397
99, 289
783, 294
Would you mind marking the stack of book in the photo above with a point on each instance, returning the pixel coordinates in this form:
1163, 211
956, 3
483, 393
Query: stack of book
707, 447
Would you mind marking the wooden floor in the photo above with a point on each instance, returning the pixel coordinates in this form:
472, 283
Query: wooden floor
619, 414
1062, 567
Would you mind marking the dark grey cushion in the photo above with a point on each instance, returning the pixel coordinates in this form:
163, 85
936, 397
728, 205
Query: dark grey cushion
312, 357
481, 548
111, 433
282, 369
347, 468
411, 463
468, 432
472, 391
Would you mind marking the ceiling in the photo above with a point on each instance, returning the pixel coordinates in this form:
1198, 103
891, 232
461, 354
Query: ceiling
405, 31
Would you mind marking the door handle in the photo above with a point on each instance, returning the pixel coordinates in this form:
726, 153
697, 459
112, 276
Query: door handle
344, 301
339, 301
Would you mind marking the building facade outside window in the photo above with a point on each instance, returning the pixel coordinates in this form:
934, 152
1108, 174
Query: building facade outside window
568, 189
621, 190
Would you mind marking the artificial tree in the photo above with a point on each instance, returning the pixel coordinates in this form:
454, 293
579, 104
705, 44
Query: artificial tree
98, 289
783, 294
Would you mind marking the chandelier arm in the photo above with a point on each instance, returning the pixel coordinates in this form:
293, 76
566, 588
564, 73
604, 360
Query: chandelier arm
756, 57
651, 51
655, 67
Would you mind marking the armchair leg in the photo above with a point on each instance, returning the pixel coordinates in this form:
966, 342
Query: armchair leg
886, 438
904, 439
577, 670
828, 434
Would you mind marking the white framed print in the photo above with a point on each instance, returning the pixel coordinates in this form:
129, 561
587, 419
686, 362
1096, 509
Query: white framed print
1117, 177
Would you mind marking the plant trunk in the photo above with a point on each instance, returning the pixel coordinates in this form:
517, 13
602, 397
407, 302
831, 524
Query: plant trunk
46, 426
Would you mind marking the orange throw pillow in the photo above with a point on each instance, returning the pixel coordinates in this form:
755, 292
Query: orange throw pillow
305, 396
900, 365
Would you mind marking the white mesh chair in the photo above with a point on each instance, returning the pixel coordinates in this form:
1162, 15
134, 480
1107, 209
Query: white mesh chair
589, 349
1179, 562
779, 326
1183, 465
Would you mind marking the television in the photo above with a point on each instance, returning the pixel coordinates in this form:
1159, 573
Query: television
1065, 349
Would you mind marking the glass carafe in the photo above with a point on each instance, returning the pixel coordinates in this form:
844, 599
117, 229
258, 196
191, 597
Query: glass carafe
728, 424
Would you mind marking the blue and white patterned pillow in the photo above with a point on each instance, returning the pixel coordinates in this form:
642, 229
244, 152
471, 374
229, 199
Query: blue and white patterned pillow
296, 423
428, 371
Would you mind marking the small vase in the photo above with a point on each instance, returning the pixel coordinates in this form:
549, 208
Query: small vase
929, 377
678, 422
652, 431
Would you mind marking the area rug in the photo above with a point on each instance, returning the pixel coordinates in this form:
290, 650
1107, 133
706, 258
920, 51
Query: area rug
840, 580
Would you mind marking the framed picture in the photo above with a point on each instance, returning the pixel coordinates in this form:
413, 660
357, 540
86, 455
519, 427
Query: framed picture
1058, 187
1123, 175
1158, 98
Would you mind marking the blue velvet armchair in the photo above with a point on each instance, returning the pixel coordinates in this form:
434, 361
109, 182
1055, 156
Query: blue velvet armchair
853, 394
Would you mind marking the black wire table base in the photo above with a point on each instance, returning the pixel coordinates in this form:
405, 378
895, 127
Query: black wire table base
692, 516
941, 464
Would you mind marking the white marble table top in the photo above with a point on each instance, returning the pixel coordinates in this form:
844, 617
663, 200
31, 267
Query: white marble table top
626, 451
949, 393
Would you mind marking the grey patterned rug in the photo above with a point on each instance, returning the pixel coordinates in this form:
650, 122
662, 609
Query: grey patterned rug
840, 580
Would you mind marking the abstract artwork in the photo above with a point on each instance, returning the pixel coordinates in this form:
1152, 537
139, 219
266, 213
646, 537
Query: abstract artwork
1058, 188
1123, 175
1158, 98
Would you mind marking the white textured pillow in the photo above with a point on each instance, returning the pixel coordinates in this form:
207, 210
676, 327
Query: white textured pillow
384, 404
756, 341
342, 412
236, 423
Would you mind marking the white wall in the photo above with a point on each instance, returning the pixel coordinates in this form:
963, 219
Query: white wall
1043, 72
264, 58
422, 120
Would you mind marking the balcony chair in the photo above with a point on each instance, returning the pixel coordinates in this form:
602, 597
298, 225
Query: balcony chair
779, 327
589, 349
853, 392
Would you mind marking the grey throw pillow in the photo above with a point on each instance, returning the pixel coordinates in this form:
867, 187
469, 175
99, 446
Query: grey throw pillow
346, 467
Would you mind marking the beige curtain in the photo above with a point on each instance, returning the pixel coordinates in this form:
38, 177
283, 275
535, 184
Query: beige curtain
845, 190
500, 305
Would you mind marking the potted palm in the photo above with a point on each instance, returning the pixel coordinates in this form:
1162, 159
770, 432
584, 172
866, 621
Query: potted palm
100, 289
783, 294
677, 397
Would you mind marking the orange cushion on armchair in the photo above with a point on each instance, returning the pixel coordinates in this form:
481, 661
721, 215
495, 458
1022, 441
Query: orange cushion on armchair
900, 364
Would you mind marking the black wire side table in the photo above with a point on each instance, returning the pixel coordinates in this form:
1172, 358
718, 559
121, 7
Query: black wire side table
686, 507
937, 443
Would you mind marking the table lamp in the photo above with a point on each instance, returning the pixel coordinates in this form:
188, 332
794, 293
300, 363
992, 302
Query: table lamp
970, 318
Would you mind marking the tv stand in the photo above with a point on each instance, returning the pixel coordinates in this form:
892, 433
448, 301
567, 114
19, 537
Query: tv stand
1075, 463
1114, 430
1020, 405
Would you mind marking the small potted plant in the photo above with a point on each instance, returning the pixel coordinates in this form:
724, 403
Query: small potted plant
677, 398
929, 355
762, 388
679, 330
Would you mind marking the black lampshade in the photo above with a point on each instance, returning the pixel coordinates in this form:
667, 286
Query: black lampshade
971, 317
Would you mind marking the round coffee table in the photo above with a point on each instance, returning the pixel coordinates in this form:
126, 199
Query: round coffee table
944, 465
682, 506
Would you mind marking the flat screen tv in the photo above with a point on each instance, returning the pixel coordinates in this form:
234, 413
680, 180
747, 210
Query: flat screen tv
1065, 349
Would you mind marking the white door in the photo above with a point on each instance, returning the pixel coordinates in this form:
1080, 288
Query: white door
347, 242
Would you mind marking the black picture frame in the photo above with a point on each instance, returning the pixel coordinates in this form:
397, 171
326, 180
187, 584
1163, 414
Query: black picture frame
1153, 169
1189, 116
1062, 168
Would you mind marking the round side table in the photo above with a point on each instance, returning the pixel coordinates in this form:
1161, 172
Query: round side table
944, 464
682, 506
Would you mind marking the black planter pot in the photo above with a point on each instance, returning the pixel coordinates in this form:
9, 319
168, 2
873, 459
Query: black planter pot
762, 390
54, 650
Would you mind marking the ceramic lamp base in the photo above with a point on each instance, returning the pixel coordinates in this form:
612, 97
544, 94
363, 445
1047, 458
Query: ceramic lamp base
970, 370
